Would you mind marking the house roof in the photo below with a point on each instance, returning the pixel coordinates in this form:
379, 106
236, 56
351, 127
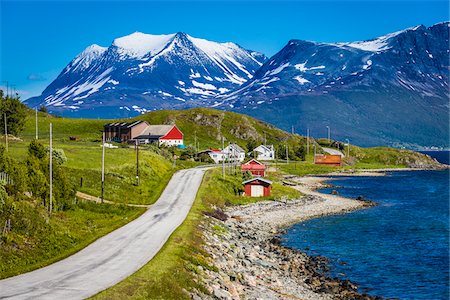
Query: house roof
125, 125
155, 131
253, 161
257, 178
236, 147
253, 167
264, 148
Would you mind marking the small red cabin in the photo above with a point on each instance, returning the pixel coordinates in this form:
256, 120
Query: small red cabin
257, 187
254, 167
328, 159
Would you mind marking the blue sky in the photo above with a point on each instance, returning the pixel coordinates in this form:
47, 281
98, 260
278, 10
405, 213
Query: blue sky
38, 39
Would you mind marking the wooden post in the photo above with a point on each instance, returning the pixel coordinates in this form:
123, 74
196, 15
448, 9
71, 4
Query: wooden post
307, 141
287, 154
223, 159
137, 162
103, 167
6, 133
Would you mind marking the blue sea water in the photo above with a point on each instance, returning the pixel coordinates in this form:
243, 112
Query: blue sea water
440, 156
399, 248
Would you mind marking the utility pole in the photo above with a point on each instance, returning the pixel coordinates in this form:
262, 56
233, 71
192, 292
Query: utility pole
223, 159
137, 162
37, 136
287, 154
195, 144
307, 141
314, 152
103, 167
348, 147
293, 130
51, 171
276, 160
328, 128
6, 133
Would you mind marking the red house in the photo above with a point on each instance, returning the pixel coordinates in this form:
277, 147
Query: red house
168, 135
254, 167
328, 159
257, 187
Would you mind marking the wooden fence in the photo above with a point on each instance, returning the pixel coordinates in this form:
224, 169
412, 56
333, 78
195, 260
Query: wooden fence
5, 178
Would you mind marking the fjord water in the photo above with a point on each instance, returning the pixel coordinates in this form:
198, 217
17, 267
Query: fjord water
399, 248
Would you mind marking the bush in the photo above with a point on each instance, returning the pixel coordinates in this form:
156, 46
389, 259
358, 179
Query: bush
58, 156
36, 149
16, 114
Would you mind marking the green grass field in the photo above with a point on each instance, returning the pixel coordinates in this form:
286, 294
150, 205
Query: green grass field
65, 233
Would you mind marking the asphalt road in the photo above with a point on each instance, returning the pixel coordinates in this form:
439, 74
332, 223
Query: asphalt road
115, 256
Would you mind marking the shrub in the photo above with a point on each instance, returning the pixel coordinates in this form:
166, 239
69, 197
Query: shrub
36, 149
58, 156
16, 114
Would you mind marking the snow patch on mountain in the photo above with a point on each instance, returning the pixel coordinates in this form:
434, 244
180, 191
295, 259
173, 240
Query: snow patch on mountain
138, 44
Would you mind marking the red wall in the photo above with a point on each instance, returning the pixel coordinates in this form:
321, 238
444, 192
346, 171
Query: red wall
248, 189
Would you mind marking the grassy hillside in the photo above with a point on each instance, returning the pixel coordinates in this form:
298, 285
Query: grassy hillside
209, 125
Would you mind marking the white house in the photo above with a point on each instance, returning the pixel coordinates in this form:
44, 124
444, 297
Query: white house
234, 153
265, 152
216, 155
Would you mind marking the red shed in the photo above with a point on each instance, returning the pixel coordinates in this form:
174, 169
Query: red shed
254, 167
257, 187
328, 159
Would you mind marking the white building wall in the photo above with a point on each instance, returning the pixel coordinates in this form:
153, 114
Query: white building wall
170, 143
264, 153
218, 157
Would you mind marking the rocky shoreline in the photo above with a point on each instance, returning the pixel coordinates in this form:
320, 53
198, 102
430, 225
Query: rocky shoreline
250, 263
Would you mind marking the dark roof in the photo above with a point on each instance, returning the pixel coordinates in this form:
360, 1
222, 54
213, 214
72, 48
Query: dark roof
124, 125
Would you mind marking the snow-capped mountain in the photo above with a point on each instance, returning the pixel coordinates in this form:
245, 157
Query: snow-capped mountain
416, 59
390, 90
141, 72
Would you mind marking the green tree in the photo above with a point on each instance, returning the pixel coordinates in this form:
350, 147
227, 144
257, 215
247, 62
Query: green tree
37, 180
43, 109
251, 145
37, 150
17, 172
15, 112
300, 152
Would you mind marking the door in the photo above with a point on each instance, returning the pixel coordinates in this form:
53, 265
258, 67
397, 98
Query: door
257, 191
